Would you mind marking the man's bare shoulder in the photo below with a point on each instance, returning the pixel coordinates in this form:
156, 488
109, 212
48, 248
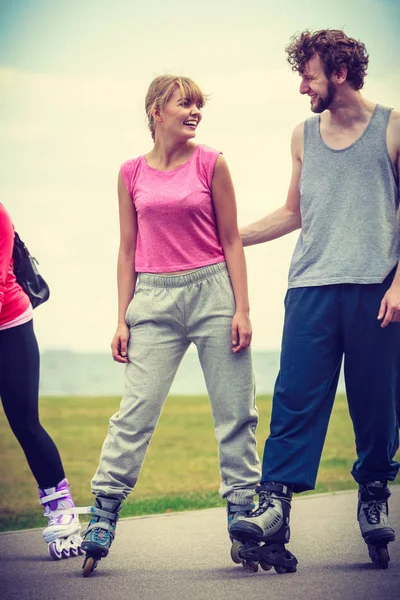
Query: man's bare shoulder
393, 135
394, 120
297, 142
298, 131
393, 138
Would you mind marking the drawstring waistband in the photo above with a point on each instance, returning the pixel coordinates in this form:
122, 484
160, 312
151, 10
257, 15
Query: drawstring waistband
155, 280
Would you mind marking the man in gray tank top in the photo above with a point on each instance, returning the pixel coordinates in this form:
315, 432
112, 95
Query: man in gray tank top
343, 299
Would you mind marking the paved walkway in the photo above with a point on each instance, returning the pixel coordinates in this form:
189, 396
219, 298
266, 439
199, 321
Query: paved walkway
185, 556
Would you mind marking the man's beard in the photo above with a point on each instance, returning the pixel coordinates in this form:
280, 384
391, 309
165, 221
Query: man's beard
324, 103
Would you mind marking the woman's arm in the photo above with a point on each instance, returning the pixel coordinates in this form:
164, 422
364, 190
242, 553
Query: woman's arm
225, 209
126, 274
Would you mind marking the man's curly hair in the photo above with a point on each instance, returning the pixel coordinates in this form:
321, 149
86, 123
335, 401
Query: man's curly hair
335, 50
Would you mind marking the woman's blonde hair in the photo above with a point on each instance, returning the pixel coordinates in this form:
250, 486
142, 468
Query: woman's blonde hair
161, 90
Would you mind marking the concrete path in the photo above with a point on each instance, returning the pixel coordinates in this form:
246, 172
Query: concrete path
185, 556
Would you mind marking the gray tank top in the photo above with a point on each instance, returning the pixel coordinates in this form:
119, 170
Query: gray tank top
349, 207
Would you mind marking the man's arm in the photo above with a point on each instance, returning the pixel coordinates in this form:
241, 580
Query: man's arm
389, 310
287, 218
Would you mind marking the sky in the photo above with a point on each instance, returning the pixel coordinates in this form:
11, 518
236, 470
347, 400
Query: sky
73, 77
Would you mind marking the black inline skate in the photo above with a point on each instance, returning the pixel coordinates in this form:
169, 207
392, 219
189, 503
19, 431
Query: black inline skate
372, 514
99, 535
261, 536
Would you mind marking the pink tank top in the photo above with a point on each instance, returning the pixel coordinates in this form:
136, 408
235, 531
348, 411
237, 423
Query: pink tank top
177, 228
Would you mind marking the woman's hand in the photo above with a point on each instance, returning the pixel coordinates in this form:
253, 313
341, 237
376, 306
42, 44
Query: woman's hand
119, 344
241, 331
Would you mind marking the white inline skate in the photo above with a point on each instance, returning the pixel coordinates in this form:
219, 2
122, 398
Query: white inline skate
62, 533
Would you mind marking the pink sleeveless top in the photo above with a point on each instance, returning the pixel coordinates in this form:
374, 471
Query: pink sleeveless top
15, 306
177, 228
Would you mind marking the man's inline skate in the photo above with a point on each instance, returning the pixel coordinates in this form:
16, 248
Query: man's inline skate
100, 533
261, 536
372, 514
62, 533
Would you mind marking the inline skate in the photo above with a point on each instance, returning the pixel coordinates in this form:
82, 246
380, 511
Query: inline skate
372, 514
261, 536
62, 533
100, 533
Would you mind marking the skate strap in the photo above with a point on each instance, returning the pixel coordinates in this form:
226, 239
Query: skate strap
276, 488
233, 508
98, 512
370, 493
101, 525
76, 510
55, 496
84, 510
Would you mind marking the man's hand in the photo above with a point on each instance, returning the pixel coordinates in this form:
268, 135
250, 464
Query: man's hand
119, 344
241, 331
389, 310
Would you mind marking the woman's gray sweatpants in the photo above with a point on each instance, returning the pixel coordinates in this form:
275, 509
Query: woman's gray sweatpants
166, 314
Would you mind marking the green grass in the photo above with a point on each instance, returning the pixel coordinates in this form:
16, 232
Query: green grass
181, 467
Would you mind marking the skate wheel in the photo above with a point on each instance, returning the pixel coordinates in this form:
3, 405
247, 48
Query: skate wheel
265, 566
235, 552
54, 551
250, 565
280, 570
379, 556
291, 569
88, 566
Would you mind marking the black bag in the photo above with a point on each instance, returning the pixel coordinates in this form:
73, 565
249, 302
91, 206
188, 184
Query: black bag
27, 275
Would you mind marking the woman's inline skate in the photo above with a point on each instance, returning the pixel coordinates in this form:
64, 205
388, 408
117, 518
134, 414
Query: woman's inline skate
100, 533
62, 533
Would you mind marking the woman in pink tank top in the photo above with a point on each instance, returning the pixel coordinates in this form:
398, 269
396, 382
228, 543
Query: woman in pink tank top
181, 280
19, 393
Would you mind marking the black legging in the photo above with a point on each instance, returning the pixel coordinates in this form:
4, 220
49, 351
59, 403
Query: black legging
19, 391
